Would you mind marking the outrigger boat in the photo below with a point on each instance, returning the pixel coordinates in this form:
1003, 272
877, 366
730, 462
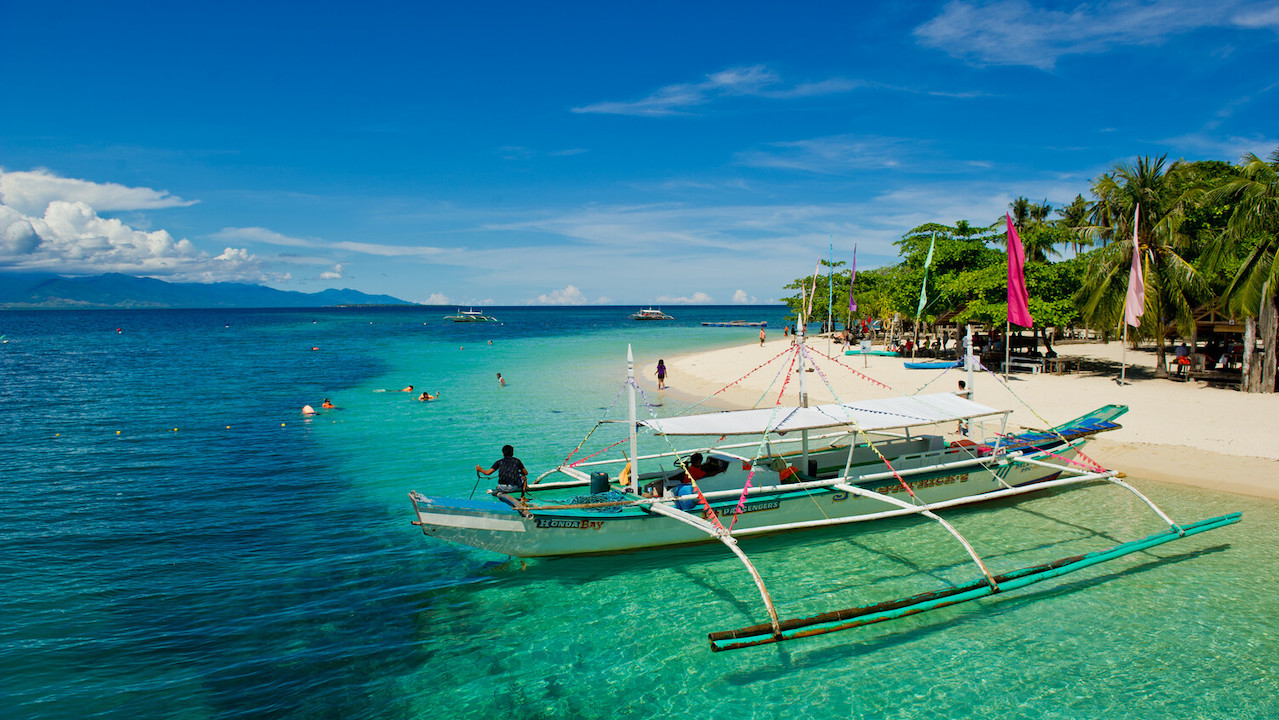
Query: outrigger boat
471, 315
807, 467
651, 314
933, 364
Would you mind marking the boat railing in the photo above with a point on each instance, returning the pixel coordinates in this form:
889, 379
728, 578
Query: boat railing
1077, 475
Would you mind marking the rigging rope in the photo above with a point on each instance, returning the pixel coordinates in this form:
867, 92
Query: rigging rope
1050, 429
592, 431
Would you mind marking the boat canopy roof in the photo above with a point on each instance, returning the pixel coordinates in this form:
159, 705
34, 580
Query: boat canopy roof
864, 415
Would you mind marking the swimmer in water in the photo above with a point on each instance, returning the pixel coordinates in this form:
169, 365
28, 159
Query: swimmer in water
326, 404
425, 396
308, 410
501, 380
408, 389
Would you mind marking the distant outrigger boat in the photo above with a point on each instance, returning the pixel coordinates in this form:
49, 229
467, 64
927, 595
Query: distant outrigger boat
866, 465
933, 364
882, 353
737, 323
651, 314
471, 315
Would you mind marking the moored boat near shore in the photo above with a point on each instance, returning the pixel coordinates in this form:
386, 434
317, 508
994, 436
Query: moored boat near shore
651, 314
471, 315
803, 467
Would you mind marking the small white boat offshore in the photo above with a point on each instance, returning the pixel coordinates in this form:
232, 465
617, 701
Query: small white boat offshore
802, 467
651, 314
471, 315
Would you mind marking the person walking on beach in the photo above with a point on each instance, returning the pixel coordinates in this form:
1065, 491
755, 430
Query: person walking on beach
512, 477
661, 374
761, 337
962, 427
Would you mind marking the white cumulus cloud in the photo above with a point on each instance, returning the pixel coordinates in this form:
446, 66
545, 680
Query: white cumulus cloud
334, 274
741, 297
568, 296
51, 223
698, 298
30, 192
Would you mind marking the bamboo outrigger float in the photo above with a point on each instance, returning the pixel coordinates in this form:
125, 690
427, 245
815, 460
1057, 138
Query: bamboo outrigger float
865, 465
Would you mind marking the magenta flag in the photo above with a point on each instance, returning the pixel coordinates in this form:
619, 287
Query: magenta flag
852, 304
1018, 296
1135, 304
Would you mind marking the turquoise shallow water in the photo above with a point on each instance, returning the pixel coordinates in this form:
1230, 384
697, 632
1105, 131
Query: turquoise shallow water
252, 563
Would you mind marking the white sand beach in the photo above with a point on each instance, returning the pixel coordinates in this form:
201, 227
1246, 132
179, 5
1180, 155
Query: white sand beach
1182, 432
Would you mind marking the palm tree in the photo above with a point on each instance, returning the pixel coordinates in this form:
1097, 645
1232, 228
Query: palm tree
1255, 199
1039, 211
1020, 210
1172, 283
1073, 217
1029, 217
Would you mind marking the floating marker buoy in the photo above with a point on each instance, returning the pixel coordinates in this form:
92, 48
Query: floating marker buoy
315, 348
117, 432
228, 427
281, 424
175, 429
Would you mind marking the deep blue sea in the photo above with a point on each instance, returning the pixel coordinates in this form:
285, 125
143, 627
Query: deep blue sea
178, 541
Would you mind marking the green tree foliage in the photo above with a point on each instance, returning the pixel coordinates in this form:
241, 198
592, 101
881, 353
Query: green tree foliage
1208, 233
967, 283
1148, 192
1252, 239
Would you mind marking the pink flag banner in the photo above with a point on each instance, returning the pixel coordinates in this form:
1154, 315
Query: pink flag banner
852, 304
1018, 295
1135, 304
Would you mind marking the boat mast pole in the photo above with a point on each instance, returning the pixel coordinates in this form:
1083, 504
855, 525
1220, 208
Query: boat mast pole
803, 384
968, 359
633, 480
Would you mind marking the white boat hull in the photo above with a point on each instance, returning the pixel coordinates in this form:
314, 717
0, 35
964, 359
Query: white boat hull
502, 529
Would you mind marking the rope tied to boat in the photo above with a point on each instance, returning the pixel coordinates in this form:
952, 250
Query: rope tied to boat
1095, 465
598, 423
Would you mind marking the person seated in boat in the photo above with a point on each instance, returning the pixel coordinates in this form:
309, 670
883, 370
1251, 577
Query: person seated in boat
689, 470
512, 477
684, 482
713, 466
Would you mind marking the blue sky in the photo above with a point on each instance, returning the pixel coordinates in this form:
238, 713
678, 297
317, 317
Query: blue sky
569, 153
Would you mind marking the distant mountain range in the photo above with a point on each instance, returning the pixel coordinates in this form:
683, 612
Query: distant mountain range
46, 290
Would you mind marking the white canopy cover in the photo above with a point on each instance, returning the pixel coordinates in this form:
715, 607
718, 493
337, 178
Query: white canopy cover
864, 415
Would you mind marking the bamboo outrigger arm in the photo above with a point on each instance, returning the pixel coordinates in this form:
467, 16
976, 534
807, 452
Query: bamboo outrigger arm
926, 512
731, 543
879, 612
1112, 478
990, 584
